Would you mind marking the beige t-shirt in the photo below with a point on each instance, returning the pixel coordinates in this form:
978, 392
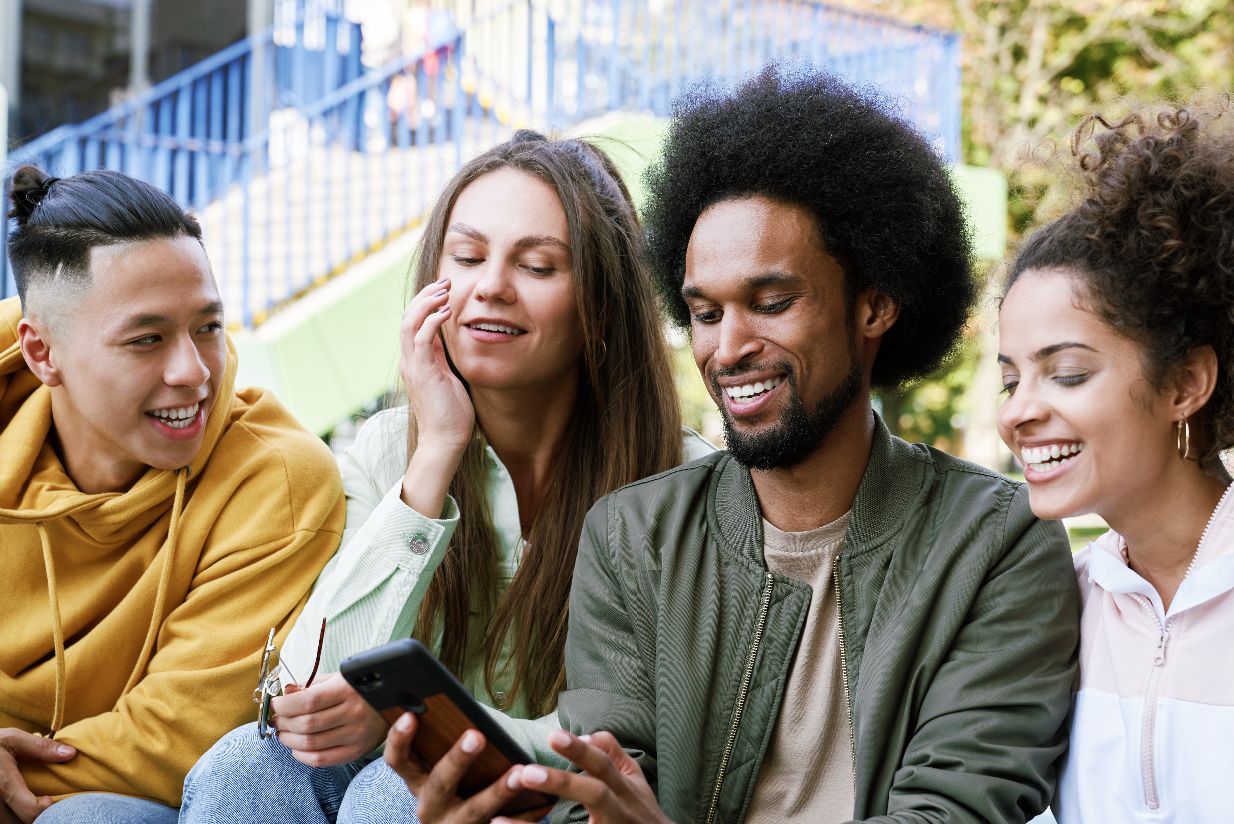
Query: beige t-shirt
807, 774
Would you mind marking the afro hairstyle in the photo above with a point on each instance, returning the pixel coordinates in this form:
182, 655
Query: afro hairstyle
884, 204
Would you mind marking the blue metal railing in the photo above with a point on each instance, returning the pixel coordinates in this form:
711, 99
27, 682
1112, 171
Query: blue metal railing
327, 160
643, 55
186, 135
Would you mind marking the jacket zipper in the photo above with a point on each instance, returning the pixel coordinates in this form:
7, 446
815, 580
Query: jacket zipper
742, 694
1148, 726
848, 704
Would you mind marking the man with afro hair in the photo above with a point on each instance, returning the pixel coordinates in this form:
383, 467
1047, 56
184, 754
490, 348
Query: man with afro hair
824, 623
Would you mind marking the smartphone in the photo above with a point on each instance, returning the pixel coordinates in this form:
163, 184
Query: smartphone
403, 676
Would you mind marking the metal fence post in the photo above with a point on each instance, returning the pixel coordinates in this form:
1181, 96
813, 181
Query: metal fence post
550, 79
950, 119
531, 55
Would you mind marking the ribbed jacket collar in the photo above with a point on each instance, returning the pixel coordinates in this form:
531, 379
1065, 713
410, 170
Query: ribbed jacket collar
892, 480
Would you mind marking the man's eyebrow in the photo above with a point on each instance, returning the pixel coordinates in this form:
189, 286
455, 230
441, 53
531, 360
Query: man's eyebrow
1047, 351
772, 278
141, 321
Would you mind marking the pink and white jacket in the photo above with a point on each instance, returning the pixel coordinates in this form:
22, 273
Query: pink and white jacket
1152, 739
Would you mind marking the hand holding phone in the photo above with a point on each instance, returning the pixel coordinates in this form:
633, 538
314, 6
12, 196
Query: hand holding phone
404, 677
436, 802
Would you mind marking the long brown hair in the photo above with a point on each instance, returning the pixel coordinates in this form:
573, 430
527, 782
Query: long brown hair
625, 425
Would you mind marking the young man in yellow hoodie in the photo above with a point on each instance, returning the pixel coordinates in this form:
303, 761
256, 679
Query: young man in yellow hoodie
155, 523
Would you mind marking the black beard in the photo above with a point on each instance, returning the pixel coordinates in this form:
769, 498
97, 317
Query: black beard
799, 433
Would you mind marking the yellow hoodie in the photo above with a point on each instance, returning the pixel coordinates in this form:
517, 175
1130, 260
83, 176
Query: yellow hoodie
131, 623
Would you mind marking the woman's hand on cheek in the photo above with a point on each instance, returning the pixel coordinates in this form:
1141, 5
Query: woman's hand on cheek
327, 724
443, 409
611, 787
436, 790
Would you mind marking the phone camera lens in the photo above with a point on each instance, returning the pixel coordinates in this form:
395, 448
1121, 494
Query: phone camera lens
411, 702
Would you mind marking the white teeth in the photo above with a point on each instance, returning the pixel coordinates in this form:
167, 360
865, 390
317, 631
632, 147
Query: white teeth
1048, 465
178, 417
497, 327
1040, 458
749, 390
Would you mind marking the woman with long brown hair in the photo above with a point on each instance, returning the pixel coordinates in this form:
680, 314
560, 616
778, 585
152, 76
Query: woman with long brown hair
538, 380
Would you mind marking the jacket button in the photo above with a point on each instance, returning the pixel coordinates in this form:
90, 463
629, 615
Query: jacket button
418, 544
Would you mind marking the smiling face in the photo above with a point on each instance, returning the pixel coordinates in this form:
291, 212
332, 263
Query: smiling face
135, 363
514, 323
1094, 434
773, 329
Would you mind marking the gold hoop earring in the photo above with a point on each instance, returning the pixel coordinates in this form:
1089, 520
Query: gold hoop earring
1182, 438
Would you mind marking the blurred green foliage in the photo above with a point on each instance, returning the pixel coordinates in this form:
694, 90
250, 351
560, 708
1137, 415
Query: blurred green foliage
1032, 69
934, 410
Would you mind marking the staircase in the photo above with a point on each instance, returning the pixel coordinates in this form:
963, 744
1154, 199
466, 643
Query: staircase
311, 170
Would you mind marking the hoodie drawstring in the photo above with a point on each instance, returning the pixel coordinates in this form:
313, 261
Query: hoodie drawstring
156, 618
57, 630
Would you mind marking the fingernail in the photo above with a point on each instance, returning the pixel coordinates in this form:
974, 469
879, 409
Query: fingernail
441, 293
559, 737
512, 781
64, 750
471, 741
586, 738
404, 722
444, 309
533, 774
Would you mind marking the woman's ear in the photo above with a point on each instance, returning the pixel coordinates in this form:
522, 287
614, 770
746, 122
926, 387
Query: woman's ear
1192, 382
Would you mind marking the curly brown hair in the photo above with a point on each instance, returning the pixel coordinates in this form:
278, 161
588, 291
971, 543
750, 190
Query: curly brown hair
1152, 240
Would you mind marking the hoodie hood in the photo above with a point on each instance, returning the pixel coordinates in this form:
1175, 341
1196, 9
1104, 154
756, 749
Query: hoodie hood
35, 489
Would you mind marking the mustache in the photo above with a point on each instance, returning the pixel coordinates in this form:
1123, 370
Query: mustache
749, 369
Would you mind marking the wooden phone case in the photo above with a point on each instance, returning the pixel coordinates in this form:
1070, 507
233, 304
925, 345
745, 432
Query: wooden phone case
403, 676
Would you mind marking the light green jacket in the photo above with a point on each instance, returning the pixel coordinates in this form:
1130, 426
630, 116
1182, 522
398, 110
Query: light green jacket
370, 591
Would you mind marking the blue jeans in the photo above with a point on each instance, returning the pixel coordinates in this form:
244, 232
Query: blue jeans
92, 808
244, 777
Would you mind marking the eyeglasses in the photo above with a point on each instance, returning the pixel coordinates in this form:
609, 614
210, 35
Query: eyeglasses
269, 685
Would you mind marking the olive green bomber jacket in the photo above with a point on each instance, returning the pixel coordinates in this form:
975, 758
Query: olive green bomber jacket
959, 629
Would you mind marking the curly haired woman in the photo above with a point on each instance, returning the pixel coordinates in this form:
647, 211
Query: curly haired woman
1117, 352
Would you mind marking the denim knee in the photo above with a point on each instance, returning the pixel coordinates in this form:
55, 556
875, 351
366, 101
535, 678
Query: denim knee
377, 795
91, 808
245, 777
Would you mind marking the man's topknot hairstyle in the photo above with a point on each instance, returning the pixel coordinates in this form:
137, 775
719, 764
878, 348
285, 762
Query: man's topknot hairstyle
60, 220
884, 204
1152, 239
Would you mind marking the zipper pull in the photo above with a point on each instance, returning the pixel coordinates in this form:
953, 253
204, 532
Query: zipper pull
1162, 642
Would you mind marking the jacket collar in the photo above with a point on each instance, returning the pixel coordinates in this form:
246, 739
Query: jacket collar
1212, 575
891, 482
